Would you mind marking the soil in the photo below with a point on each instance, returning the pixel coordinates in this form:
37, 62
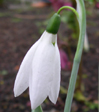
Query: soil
19, 29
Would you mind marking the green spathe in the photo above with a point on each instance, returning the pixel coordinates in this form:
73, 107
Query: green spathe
53, 24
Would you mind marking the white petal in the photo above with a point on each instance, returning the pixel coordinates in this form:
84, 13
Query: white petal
22, 78
78, 7
42, 72
79, 11
55, 86
48, 38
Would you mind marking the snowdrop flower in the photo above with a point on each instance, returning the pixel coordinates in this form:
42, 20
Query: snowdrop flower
40, 69
86, 43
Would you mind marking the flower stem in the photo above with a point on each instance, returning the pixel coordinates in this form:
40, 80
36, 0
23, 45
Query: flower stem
38, 109
77, 58
68, 7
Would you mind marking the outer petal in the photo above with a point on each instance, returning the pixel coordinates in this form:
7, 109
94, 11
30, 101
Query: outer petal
22, 79
86, 44
55, 86
79, 10
41, 78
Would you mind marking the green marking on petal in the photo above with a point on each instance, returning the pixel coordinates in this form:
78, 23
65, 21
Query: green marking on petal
53, 43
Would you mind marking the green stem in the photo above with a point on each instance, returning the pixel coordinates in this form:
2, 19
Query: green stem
73, 78
68, 7
38, 109
71, 87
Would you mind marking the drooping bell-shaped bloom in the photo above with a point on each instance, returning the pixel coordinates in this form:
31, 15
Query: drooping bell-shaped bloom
86, 43
40, 71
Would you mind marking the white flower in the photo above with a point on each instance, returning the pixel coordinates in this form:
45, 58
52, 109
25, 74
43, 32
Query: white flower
86, 43
40, 71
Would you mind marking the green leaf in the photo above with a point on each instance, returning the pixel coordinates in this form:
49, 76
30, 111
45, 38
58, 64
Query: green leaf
91, 105
4, 14
38, 109
84, 76
16, 20
3, 72
79, 96
63, 90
